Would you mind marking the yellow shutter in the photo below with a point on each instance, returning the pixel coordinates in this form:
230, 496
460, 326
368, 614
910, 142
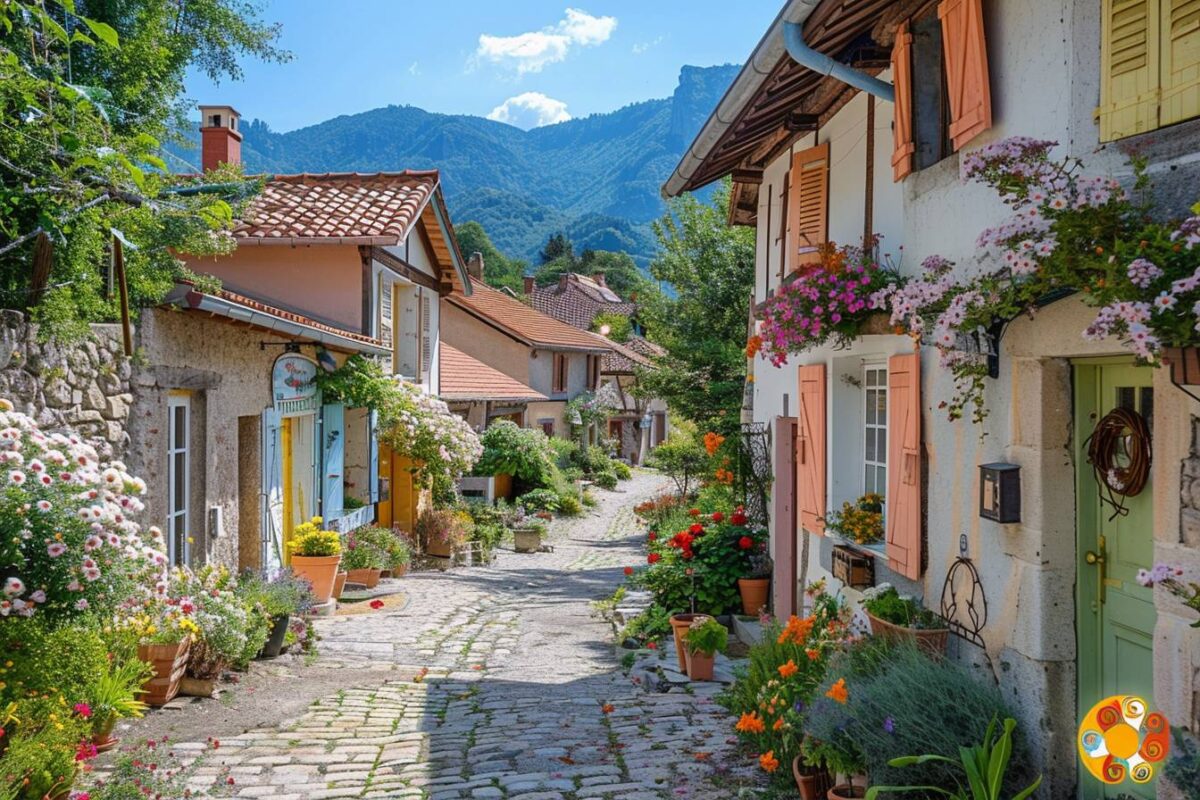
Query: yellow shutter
1180, 56
1129, 67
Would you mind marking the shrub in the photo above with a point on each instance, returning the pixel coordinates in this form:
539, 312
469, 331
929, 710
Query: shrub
570, 504
682, 459
397, 552
622, 470
539, 500
652, 624
606, 480
524, 453
444, 525
566, 453
224, 619
46, 659
359, 553
41, 757
589, 498
593, 460
282, 595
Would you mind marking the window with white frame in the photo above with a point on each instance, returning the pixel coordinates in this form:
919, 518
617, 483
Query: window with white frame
875, 401
179, 423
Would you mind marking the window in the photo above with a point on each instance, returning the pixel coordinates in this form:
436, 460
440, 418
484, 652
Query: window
179, 412
560, 372
547, 426
875, 415
593, 367
1149, 65
930, 102
407, 325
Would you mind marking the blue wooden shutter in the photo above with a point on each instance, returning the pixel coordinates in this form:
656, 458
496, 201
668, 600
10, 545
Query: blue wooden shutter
373, 456
271, 520
333, 459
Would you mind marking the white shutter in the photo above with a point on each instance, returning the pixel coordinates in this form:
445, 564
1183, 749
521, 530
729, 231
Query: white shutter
385, 321
426, 334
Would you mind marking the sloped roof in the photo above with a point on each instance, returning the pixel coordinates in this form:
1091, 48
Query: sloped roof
467, 378
645, 347
577, 300
345, 207
623, 360
524, 323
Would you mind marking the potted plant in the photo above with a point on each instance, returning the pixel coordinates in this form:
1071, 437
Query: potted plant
680, 623
896, 618
527, 535
755, 585
113, 696
362, 560
703, 640
812, 781
339, 583
278, 599
441, 531
315, 557
164, 642
839, 756
860, 522
397, 553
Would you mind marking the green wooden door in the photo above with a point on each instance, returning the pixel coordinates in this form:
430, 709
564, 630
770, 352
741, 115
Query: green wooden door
1115, 613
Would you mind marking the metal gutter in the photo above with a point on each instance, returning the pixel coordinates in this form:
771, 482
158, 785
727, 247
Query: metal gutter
805, 56
199, 301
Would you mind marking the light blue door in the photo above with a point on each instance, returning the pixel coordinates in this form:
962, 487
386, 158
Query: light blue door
333, 460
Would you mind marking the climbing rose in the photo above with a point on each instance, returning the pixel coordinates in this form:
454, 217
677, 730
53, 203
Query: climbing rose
745, 543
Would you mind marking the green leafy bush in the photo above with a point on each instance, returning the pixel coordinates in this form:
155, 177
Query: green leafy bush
539, 500
396, 550
651, 625
885, 602
46, 659
566, 453
606, 480
683, 460
570, 504
707, 638
360, 553
622, 470
524, 453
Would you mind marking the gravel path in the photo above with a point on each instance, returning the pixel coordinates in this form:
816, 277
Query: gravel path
492, 682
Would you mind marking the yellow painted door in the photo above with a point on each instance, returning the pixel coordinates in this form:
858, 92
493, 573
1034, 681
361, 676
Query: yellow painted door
383, 509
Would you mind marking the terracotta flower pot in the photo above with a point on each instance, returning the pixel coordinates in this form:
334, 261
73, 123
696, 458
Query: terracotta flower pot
400, 571
367, 577
320, 571
339, 583
814, 783
754, 594
437, 547
169, 662
700, 665
846, 791
932, 642
527, 540
679, 626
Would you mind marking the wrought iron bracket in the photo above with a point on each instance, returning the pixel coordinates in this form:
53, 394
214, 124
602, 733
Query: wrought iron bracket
964, 604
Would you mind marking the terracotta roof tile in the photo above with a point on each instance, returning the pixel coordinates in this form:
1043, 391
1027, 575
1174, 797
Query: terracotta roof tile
623, 359
579, 301
467, 378
365, 208
534, 327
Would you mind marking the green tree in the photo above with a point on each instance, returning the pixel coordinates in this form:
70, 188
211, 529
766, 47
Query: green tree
499, 271
80, 170
710, 267
558, 247
620, 272
620, 327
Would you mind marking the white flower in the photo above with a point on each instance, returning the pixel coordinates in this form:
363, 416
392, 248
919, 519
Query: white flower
91, 574
13, 586
16, 477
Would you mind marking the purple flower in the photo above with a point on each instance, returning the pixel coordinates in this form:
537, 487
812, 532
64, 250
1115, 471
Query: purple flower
889, 725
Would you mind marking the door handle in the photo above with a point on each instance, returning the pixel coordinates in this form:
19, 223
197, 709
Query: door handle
1100, 560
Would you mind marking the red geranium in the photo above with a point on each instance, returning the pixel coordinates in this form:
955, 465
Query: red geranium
718, 516
653, 558
745, 543
738, 518
376, 604
696, 529
629, 570
652, 536
695, 512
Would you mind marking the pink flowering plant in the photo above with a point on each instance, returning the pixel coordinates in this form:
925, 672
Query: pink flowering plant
828, 303
1068, 232
68, 539
1171, 578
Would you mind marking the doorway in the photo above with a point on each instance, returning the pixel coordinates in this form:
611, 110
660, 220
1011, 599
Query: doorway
1115, 614
299, 448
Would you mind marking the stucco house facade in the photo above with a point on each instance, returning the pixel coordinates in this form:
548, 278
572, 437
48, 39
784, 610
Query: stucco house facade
869, 147
226, 416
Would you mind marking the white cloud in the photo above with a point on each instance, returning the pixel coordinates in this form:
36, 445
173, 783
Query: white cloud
530, 110
414, 68
641, 47
531, 51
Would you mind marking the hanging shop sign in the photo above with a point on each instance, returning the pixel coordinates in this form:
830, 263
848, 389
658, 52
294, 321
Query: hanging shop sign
293, 382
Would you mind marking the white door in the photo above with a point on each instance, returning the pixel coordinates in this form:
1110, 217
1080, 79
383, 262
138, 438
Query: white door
179, 424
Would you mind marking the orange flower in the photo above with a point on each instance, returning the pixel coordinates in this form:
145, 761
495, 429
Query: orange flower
753, 345
778, 726
789, 669
768, 761
712, 442
796, 630
838, 692
813, 655
607, 708
750, 723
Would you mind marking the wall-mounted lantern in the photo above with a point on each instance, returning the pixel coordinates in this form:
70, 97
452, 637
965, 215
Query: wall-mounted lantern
1000, 492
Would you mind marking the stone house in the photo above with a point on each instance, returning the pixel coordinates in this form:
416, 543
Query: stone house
549, 357
850, 121
227, 425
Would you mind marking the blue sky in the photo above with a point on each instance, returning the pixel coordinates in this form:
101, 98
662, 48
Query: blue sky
525, 62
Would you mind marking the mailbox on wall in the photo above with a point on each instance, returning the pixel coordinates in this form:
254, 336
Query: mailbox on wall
1000, 492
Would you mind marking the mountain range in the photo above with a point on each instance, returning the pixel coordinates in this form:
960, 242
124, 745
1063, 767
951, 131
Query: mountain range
596, 178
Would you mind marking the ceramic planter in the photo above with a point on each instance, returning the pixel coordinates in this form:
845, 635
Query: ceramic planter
932, 642
274, 644
366, 577
527, 540
679, 627
754, 594
339, 583
320, 571
169, 662
813, 783
699, 665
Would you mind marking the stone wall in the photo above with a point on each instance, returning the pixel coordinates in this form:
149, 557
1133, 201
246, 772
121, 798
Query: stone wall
83, 385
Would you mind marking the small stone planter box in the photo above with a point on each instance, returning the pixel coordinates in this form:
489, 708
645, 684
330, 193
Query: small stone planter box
527, 540
932, 641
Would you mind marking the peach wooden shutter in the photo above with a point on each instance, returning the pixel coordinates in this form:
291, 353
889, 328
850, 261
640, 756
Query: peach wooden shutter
808, 206
902, 134
1180, 76
903, 501
965, 49
810, 449
1129, 67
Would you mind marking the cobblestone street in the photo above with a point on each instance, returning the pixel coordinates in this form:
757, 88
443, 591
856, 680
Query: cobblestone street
523, 695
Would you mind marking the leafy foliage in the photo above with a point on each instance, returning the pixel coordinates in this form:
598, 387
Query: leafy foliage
524, 453
681, 458
499, 271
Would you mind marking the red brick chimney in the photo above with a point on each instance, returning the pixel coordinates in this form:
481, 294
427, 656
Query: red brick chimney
220, 141
529, 284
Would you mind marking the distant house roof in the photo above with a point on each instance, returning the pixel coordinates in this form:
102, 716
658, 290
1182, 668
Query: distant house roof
624, 359
577, 299
467, 378
353, 208
524, 323
256, 313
